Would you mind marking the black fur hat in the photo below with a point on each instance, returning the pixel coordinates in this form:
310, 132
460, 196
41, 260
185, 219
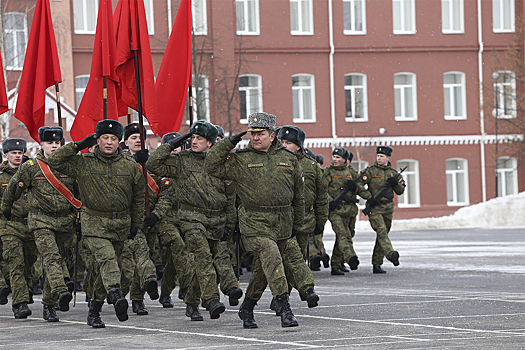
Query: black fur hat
220, 131
340, 151
14, 145
131, 129
320, 159
204, 129
109, 126
386, 150
293, 134
169, 136
50, 133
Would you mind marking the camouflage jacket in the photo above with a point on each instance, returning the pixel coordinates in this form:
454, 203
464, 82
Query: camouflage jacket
18, 208
262, 179
107, 184
41, 195
314, 187
336, 178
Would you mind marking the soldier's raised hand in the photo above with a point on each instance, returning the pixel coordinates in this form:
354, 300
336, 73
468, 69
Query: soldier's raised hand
235, 139
89, 141
178, 141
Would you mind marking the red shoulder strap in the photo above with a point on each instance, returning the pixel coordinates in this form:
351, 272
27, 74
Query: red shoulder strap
151, 183
58, 185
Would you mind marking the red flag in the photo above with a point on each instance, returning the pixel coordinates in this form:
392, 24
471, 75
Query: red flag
175, 73
131, 30
41, 70
4, 106
103, 64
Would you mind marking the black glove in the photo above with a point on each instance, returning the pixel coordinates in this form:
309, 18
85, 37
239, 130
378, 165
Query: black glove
319, 229
132, 232
178, 141
151, 220
226, 234
371, 202
141, 156
351, 186
294, 233
333, 206
235, 139
392, 181
7, 215
89, 141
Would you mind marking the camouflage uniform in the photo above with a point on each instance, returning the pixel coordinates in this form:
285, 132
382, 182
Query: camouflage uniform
380, 216
50, 220
112, 192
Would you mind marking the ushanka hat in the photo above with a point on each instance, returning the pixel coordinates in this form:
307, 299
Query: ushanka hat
293, 134
340, 151
14, 145
261, 121
108, 126
220, 131
386, 150
169, 136
133, 128
204, 129
50, 133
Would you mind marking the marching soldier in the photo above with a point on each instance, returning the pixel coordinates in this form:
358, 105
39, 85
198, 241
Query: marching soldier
112, 191
380, 216
51, 203
269, 183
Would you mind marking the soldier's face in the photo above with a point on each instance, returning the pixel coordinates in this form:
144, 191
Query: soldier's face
337, 160
108, 144
290, 146
49, 147
14, 158
133, 143
261, 140
382, 159
199, 144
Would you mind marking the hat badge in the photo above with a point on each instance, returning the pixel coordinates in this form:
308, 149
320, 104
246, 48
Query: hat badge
110, 125
17, 142
255, 120
54, 135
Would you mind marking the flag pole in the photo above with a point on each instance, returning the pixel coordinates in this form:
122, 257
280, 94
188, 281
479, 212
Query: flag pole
59, 107
105, 95
190, 103
129, 115
141, 125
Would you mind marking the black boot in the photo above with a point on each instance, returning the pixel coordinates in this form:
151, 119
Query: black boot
378, 269
69, 284
93, 318
138, 307
50, 314
78, 286
394, 258
326, 261
336, 272
311, 298
182, 293
353, 262
21, 310
246, 312
119, 302
343, 268
234, 295
274, 305
152, 288
216, 308
315, 263
63, 300
165, 300
4, 293
193, 312
287, 317
37, 290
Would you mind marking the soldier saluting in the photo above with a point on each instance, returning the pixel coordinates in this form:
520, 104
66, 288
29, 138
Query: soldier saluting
112, 192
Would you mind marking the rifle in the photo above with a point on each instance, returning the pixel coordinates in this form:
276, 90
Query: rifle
343, 194
78, 232
381, 193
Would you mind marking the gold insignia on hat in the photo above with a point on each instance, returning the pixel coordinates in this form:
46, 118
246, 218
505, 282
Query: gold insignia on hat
54, 135
255, 120
110, 125
17, 142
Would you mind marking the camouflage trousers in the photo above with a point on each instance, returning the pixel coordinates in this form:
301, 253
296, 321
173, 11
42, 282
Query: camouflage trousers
20, 255
381, 223
304, 234
298, 274
344, 228
267, 267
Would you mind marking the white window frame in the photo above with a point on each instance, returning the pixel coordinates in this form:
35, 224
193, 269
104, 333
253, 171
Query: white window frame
355, 165
300, 91
206, 103
85, 19
506, 95
499, 7
411, 178
80, 89
150, 18
402, 21
402, 88
452, 9
203, 29
246, 17
504, 172
453, 173
300, 25
449, 90
248, 89
353, 89
17, 63
353, 16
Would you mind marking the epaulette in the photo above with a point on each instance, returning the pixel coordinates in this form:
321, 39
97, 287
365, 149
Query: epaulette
286, 149
242, 150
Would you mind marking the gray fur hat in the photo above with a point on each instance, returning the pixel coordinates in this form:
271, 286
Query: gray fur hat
293, 134
386, 150
220, 131
261, 121
14, 145
169, 136
108, 126
340, 151
204, 129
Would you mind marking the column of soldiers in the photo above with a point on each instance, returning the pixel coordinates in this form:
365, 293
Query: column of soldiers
206, 204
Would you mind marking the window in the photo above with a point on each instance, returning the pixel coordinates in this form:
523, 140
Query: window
507, 176
301, 17
503, 16
247, 17
452, 16
505, 92
200, 20
354, 15
457, 182
15, 36
85, 13
303, 98
250, 95
405, 96
455, 95
80, 87
148, 5
355, 97
359, 166
201, 99
410, 198
404, 16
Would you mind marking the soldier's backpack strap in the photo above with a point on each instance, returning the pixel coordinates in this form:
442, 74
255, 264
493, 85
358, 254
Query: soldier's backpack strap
58, 185
151, 183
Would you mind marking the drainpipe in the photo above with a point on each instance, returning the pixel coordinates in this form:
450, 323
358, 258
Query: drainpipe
170, 22
332, 50
481, 112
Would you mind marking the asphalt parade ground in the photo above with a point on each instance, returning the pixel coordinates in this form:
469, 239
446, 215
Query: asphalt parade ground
457, 288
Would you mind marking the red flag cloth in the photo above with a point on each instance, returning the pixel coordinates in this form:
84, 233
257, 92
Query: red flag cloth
175, 73
103, 64
41, 70
4, 105
131, 30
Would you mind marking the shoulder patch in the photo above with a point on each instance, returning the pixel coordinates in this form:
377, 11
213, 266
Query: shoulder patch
302, 176
21, 184
166, 181
365, 177
229, 157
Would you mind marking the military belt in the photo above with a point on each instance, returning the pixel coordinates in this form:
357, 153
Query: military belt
207, 212
55, 215
276, 209
19, 219
109, 215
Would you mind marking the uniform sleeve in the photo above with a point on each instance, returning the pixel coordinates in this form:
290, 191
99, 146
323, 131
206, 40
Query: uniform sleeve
18, 184
400, 188
138, 198
231, 211
219, 161
298, 198
321, 198
66, 160
327, 179
160, 163
164, 199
